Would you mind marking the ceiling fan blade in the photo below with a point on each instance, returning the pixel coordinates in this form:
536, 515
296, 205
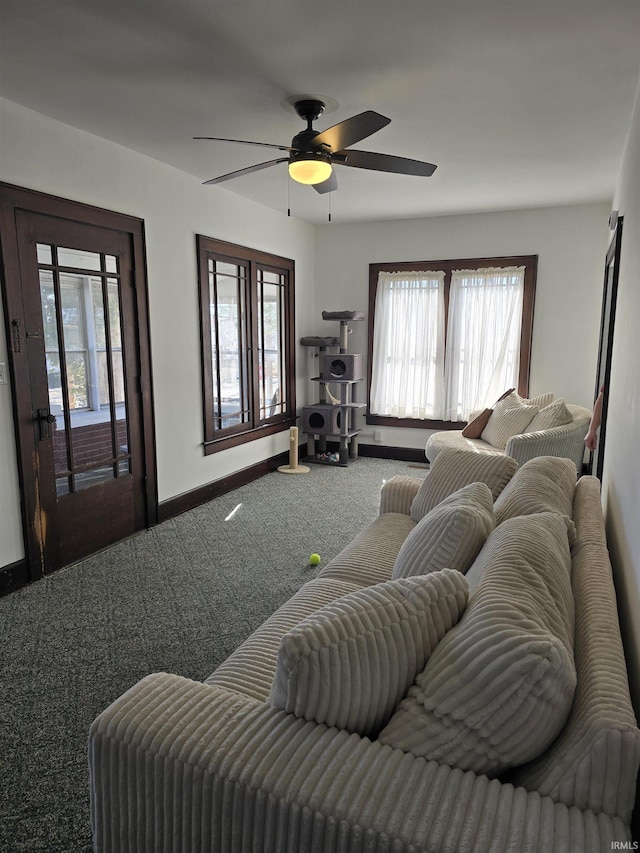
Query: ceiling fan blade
351, 130
246, 142
328, 186
258, 167
388, 163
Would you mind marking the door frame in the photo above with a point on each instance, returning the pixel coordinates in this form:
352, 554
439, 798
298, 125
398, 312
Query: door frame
12, 199
605, 343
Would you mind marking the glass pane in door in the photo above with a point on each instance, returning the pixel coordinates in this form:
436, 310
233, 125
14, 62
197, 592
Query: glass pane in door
75, 341
79, 259
118, 378
83, 349
54, 374
50, 329
44, 253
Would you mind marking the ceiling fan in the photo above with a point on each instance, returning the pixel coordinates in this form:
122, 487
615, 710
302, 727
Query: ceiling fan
312, 153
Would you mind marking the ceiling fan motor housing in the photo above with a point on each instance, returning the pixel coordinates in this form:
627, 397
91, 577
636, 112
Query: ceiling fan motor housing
309, 110
303, 141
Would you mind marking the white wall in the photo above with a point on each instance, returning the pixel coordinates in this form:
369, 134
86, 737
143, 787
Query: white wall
621, 476
331, 273
42, 154
570, 243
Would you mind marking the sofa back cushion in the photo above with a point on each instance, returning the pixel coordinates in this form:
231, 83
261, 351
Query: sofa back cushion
554, 415
349, 663
475, 426
541, 400
543, 484
453, 469
450, 536
510, 417
498, 688
369, 557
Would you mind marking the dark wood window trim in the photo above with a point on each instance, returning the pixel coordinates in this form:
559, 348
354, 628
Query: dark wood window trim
530, 262
216, 439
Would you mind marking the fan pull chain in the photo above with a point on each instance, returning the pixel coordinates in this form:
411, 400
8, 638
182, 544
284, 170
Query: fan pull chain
288, 194
330, 194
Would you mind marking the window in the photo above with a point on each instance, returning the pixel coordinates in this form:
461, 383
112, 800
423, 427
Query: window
446, 337
247, 324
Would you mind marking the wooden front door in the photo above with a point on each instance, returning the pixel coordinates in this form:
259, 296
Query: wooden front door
80, 370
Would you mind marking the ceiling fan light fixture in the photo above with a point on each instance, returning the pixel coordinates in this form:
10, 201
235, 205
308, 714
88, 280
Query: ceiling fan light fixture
310, 167
312, 154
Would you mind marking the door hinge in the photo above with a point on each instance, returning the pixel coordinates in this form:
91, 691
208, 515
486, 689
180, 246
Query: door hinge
16, 335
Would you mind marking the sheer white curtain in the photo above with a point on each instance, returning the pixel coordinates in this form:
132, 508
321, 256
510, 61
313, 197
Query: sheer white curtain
408, 345
483, 338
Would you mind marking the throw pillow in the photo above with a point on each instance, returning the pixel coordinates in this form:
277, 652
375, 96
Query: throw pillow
509, 417
540, 401
455, 468
474, 428
349, 663
543, 484
554, 415
450, 536
498, 688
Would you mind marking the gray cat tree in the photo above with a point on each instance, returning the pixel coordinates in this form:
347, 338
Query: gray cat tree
334, 417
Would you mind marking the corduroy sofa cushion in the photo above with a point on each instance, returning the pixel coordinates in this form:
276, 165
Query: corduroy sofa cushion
450, 536
554, 415
250, 668
453, 469
498, 688
543, 484
541, 400
510, 417
368, 559
349, 663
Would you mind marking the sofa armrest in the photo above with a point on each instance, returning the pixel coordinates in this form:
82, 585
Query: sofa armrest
180, 765
398, 493
566, 441
594, 762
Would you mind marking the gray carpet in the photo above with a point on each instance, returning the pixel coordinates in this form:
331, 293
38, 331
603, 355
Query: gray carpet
178, 598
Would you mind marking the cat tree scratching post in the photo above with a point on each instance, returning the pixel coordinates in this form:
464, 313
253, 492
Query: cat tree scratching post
294, 466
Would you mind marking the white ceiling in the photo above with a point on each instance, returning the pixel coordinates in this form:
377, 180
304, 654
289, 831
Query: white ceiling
521, 103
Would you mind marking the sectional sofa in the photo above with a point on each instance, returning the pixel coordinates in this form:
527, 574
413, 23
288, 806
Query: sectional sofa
454, 680
520, 428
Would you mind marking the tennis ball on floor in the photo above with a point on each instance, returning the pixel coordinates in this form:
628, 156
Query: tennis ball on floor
314, 559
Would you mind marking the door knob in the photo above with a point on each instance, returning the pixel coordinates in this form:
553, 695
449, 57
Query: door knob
46, 419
